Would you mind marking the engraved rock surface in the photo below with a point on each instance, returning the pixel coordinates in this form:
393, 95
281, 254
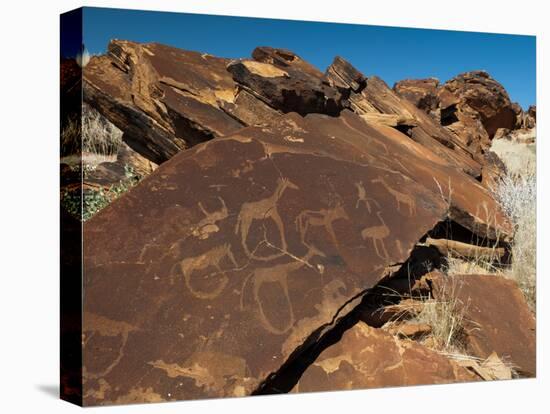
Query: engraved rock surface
205, 278
236, 254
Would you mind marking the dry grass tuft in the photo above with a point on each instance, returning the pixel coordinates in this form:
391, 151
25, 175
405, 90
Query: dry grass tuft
93, 134
446, 318
518, 196
99, 136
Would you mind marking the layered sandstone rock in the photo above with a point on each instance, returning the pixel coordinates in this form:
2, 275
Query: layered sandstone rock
422, 93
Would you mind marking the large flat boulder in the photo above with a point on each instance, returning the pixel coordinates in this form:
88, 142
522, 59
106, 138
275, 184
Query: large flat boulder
367, 357
237, 255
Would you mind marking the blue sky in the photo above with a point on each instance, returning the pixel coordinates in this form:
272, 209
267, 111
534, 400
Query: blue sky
391, 53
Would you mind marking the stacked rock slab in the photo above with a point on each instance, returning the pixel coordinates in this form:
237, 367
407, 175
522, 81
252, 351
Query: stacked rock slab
166, 99
374, 96
422, 93
163, 99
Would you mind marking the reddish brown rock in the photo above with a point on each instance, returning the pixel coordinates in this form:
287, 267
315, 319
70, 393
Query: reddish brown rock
285, 59
422, 93
493, 171
496, 318
374, 96
287, 89
163, 99
206, 277
479, 97
471, 205
341, 74
367, 357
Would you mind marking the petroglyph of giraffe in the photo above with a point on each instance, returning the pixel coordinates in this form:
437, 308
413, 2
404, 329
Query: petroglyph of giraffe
377, 234
277, 274
362, 197
262, 210
208, 224
212, 258
320, 218
399, 196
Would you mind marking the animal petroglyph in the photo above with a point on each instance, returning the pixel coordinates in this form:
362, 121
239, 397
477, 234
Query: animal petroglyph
276, 274
399, 196
211, 258
262, 210
208, 224
320, 218
97, 324
362, 197
377, 234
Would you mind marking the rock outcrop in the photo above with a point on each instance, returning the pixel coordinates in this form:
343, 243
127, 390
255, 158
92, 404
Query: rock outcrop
472, 105
423, 93
283, 198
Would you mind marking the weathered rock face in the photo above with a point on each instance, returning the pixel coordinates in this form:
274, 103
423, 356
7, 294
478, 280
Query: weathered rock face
422, 93
367, 357
237, 253
285, 59
287, 90
474, 106
479, 92
496, 317
470, 204
163, 99
219, 247
372, 95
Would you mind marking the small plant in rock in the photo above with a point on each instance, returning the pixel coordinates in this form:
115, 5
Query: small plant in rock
84, 206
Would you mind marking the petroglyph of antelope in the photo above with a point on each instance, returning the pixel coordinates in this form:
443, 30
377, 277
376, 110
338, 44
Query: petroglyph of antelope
212, 258
320, 218
262, 210
362, 197
276, 274
377, 234
399, 196
208, 224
